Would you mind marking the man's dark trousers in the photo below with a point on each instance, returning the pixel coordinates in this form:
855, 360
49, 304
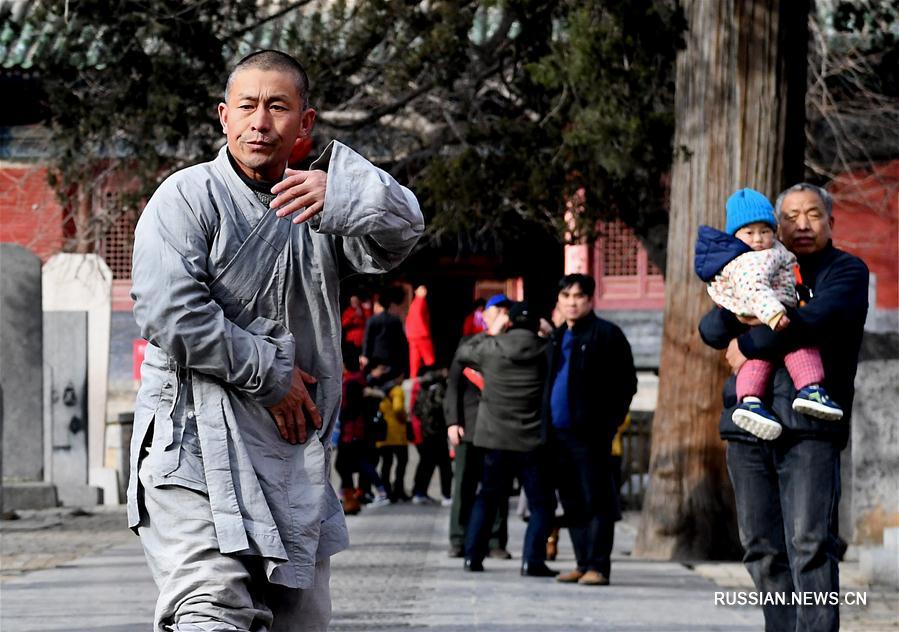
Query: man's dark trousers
433, 454
798, 531
589, 497
468, 467
500, 467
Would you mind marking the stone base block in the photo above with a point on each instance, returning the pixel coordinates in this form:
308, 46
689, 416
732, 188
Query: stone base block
107, 479
28, 495
80, 495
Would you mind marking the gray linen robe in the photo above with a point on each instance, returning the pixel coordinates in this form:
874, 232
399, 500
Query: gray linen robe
231, 298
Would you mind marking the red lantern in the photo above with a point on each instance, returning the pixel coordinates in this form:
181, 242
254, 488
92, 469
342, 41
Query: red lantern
301, 148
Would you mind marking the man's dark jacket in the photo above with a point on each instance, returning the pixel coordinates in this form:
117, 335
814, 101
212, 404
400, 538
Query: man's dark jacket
601, 377
460, 407
385, 341
514, 368
833, 321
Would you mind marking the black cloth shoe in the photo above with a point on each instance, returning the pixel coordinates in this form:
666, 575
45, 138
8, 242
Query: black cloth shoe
538, 569
474, 566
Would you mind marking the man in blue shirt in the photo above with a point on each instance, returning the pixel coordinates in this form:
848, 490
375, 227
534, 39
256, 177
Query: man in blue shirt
592, 381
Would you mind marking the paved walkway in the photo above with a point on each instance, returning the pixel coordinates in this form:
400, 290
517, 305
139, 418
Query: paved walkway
396, 576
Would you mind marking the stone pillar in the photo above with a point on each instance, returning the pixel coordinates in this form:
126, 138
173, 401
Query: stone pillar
83, 283
21, 371
65, 407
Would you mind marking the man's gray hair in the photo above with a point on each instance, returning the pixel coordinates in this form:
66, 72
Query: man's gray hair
826, 198
273, 60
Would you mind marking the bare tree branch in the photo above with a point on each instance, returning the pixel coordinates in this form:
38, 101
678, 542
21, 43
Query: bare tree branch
269, 18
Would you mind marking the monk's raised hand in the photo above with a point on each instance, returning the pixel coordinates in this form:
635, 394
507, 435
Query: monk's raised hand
300, 192
291, 413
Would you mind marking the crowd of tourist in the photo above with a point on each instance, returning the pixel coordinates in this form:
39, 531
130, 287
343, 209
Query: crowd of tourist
526, 399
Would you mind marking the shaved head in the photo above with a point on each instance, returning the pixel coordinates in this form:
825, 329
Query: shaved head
273, 60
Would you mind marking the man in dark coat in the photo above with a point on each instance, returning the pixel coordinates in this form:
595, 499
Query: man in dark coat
787, 490
592, 381
510, 432
385, 337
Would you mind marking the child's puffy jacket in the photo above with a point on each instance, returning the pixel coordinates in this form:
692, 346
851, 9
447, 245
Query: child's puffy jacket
745, 281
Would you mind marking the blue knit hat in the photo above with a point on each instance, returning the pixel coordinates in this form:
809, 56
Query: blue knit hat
747, 206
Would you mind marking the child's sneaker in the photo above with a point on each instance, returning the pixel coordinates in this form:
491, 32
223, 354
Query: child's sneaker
755, 419
815, 402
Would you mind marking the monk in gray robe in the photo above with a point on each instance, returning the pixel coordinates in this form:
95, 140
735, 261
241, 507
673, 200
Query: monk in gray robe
236, 289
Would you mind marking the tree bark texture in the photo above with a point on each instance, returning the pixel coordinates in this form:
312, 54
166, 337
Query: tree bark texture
739, 108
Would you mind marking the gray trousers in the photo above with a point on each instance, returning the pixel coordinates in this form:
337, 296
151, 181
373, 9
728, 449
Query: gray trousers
202, 590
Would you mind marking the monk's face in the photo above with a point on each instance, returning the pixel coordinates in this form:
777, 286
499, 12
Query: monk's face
263, 118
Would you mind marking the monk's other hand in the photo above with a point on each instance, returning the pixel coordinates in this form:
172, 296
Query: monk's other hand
292, 412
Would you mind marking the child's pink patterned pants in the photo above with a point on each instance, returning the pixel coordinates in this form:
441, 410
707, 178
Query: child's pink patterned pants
803, 365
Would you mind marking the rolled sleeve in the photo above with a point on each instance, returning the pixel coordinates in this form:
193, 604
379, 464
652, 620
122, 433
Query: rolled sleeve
379, 219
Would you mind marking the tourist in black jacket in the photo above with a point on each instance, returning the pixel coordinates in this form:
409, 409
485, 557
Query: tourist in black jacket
385, 338
787, 490
592, 381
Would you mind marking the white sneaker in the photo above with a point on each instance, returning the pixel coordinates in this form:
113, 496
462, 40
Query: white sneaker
755, 419
446, 502
418, 499
379, 501
814, 401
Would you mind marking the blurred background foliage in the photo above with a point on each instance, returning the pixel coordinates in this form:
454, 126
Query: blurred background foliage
501, 114
495, 111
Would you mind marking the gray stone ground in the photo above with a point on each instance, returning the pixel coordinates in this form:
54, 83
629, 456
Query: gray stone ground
63, 571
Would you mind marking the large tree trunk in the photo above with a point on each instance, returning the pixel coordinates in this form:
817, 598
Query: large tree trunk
739, 122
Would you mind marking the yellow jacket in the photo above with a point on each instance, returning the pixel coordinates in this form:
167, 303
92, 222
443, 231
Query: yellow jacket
393, 407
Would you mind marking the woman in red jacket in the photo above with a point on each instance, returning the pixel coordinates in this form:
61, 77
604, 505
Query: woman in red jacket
418, 332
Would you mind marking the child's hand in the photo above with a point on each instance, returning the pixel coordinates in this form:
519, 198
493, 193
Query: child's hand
783, 323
